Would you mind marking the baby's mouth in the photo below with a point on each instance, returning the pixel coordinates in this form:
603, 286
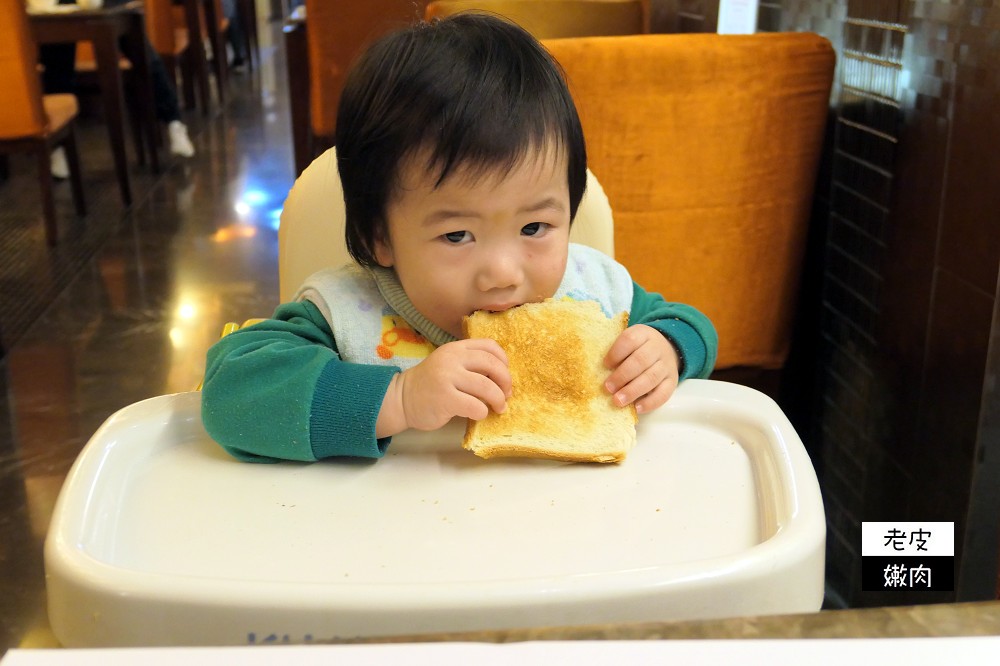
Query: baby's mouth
498, 307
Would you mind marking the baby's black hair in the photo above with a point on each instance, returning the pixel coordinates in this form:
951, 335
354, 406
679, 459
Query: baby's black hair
475, 90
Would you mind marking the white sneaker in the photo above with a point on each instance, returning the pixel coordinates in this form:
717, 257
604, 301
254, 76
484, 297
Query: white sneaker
58, 164
180, 143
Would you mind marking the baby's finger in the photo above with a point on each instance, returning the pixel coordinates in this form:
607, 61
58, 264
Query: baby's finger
487, 345
470, 407
623, 346
638, 362
656, 398
492, 367
639, 386
484, 389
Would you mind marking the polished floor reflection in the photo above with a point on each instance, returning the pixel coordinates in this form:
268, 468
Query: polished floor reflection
126, 306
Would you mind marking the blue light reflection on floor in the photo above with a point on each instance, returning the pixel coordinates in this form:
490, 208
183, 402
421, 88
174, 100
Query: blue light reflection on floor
259, 207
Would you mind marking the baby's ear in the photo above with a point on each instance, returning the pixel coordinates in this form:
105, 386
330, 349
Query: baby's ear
383, 253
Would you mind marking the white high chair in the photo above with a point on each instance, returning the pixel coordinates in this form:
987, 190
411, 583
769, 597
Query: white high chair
715, 513
311, 235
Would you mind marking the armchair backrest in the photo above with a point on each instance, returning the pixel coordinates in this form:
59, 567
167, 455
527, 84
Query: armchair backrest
311, 235
708, 146
21, 114
338, 31
549, 19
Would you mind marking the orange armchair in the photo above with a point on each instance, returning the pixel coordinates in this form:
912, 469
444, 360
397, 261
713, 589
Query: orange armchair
29, 121
707, 147
550, 19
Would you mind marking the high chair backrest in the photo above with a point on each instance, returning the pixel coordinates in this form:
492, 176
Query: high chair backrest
707, 146
311, 235
21, 114
549, 19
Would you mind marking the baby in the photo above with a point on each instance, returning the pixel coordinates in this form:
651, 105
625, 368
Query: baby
463, 164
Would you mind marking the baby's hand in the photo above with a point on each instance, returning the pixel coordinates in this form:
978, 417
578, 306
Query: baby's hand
644, 368
462, 378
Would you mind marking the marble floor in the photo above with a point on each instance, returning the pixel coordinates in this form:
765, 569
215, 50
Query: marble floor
125, 307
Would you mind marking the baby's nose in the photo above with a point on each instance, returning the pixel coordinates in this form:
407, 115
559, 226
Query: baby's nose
500, 270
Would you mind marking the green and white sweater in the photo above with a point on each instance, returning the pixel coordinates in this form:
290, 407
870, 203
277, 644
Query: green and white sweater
308, 384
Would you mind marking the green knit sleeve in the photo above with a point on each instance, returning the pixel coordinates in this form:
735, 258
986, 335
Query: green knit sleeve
690, 331
277, 390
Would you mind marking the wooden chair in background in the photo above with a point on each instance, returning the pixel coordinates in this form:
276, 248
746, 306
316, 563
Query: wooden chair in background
170, 27
251, 40
88, 80
29, 121
215, 25
321, 43
172, 43
205, 19
708, 147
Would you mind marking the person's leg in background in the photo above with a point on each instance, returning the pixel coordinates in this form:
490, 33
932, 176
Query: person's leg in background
165, 99
59, 67
235, 36
58, 76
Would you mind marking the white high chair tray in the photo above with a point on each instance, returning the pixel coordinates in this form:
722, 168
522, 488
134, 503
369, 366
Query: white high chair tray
160, 538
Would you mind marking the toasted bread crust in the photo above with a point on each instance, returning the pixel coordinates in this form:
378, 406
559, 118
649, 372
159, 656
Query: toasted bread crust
514, 451
559, 408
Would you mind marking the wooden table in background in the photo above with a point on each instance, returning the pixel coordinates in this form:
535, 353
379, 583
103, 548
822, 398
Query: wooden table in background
103, 28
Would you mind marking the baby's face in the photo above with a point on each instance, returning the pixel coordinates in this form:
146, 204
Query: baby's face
486, 243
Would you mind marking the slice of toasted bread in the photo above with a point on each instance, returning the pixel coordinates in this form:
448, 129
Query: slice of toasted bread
559, 408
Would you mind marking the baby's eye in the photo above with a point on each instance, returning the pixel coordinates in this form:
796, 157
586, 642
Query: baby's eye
534, 229
457, 237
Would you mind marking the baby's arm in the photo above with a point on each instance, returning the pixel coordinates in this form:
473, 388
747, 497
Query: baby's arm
664, 344
278, 391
